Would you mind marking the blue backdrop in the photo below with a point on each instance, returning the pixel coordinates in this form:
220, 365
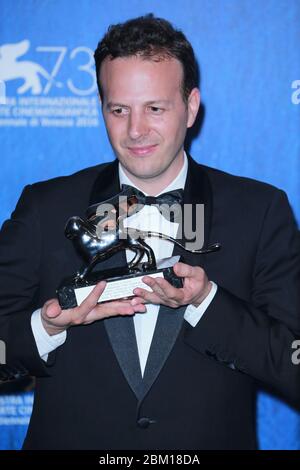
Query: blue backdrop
50, 122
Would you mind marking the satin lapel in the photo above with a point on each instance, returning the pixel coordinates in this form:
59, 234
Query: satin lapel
120, 330
121, 333
165, 334
197, 190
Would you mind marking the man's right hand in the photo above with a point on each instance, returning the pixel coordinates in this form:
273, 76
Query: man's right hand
55, 320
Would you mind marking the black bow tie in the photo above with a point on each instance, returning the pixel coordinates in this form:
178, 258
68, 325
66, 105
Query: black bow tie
169, 198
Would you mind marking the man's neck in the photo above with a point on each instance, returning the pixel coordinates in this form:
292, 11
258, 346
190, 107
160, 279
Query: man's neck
156, 185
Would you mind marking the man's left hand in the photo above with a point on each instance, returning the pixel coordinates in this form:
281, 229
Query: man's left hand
196, 287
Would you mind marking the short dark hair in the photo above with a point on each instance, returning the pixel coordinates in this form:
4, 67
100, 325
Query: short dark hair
151, 38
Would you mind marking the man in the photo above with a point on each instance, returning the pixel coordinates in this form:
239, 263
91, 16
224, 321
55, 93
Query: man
171, 368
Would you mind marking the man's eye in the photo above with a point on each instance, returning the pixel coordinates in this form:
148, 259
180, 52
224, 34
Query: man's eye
156, 110
118, 111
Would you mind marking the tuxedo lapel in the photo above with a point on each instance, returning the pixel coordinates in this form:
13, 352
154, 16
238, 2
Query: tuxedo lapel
165, 334
121, 333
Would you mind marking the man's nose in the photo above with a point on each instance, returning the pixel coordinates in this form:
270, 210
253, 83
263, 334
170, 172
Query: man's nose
137, 125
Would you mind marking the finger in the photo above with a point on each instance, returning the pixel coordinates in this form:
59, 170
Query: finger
154, 285
137, 300
107, 309
122, 307
117, 305
92, 299
113, 308
140, 308
183, 270
149, 297
165, 290
175, 293
79, 314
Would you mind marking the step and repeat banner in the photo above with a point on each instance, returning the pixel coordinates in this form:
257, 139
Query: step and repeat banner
50, 119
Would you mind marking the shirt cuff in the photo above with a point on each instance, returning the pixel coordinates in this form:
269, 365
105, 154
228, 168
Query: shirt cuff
44, 342
194, 314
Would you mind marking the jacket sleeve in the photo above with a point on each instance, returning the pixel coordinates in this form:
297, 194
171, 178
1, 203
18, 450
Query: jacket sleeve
20, 251
257, 337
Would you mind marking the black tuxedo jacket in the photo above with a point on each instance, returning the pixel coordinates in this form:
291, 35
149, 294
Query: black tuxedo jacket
199, 386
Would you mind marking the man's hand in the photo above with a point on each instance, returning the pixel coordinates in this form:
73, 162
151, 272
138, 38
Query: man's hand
55, 320
196, 287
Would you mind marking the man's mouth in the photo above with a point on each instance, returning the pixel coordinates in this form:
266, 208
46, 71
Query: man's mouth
142, 150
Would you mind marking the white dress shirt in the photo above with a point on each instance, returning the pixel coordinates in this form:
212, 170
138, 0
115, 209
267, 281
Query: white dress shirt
149, 218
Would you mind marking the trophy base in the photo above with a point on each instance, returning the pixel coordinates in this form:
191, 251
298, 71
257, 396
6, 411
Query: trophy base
72, 293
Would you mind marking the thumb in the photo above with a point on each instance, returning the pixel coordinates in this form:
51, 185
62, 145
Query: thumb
52, 308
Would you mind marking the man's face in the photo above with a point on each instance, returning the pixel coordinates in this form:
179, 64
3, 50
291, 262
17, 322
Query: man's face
145, 115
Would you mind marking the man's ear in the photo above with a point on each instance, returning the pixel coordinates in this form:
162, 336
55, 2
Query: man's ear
193, 106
